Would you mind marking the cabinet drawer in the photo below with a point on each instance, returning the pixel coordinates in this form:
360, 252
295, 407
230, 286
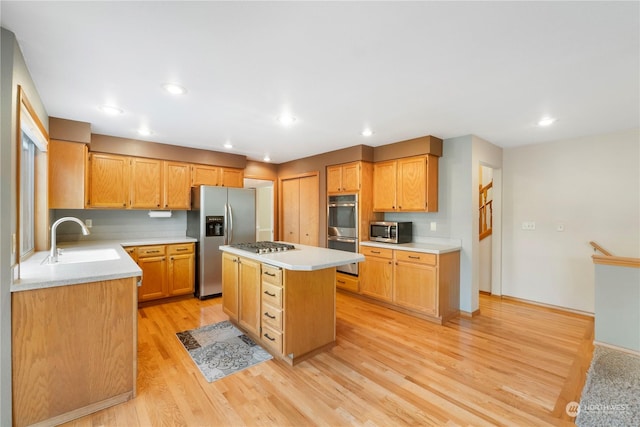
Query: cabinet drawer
417, 257
186, 248
379, 252
272, 294
272, 339
147, 251
272, 316
271, 274
348, 283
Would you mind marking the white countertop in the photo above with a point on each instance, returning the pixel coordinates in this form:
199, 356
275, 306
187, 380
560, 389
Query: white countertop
35, 275
429, 248
302, 258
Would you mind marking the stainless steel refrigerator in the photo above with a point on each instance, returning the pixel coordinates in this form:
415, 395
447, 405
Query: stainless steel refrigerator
218, 216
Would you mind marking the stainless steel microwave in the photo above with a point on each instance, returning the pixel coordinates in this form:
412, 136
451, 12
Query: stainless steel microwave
390, 231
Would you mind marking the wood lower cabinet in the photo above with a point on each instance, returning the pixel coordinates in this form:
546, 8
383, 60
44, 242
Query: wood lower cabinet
241, 291
74, 350
347, 282
167, 270
423, 284
272, 308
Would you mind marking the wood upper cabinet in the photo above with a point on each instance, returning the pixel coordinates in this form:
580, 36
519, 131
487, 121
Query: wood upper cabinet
67, 170
406, 185
176, 185
300, 210
108, 181
344, 178
146, 183
215, 175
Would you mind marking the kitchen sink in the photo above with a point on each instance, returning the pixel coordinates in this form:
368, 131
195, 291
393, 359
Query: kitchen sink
74, 256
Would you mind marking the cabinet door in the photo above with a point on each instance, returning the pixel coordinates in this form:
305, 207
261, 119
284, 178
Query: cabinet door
232, 177
412, 184
154, 278
204, 175
181, 274
309, 206
177, 188
249, 295
377, 278
351, 177
146, 181
334, 179
230, 285
67, 166
291, 210
108, 181
415, 287
384, 186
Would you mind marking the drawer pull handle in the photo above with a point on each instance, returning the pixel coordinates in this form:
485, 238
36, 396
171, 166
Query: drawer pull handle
269, 338
414, 257
341, 281
153, 252
269, 293
375, 252
266, 313
182, 249
270, 274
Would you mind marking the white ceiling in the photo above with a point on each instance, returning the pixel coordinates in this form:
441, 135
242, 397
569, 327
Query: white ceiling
406, 69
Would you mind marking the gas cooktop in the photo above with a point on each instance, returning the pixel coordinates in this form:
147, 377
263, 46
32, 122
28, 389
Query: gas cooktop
263, 247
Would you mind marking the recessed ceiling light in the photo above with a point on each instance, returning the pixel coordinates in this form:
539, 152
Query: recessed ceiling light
110, 109
367, 132
286, 119
546, 121
144, 132
174, 89
266, 158
228, 145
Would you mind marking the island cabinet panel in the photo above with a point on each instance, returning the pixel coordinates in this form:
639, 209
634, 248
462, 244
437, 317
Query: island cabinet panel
423, 284
108, 185
176, 185
249, 295
230, 279
67, 174
146, 183
272, 311
74, 350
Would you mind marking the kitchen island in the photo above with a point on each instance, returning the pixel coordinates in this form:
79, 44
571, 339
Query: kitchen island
286, 301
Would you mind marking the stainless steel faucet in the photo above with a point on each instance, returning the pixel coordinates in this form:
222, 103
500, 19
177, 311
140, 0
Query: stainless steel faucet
53, 255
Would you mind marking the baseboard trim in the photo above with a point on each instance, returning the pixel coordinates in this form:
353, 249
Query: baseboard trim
615, 347
549, 306
470, 315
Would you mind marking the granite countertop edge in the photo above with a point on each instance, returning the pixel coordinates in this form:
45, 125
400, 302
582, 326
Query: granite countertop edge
35, 275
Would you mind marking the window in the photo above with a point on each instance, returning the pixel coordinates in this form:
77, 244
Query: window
27, 195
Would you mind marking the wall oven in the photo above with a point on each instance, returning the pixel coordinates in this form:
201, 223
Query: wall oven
342, 227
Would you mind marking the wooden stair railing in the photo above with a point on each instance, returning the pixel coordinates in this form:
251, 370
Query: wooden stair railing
597, 247
486, 212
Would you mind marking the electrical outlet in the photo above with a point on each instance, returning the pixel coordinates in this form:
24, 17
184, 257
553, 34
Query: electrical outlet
560, 227
88, 223
529, 225
433, 226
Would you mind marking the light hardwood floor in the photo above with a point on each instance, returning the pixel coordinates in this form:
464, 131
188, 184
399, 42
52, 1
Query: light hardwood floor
514, 364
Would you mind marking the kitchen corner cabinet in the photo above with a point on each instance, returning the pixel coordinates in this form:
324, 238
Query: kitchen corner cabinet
406, 185
344, 178
241, 291
217, 176
67, 174
300, 210
74, 350
167, 270
426, 285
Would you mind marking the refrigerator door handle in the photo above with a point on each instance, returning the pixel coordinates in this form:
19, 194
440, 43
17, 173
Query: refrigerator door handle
226, 224
230, 224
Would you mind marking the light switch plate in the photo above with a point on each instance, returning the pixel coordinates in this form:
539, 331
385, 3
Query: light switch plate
433, 226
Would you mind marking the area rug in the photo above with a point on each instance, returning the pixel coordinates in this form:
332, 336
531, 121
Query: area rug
221, 349
611, 394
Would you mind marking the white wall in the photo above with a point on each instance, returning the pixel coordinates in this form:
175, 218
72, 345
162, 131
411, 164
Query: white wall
591, 185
